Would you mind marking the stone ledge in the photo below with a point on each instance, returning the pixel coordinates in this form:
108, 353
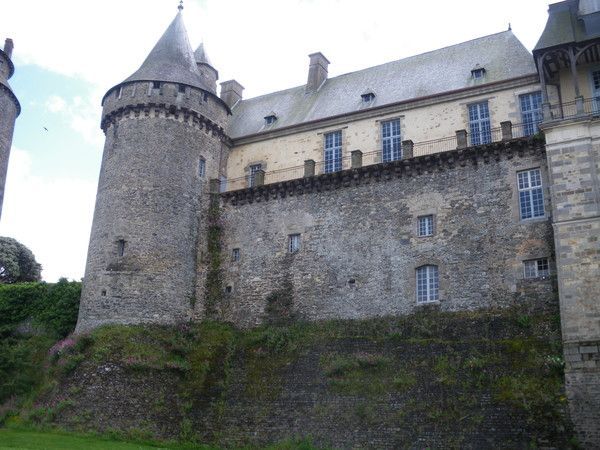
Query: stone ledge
448, 160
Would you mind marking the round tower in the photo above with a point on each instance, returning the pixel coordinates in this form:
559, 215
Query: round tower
164, 138
9, 110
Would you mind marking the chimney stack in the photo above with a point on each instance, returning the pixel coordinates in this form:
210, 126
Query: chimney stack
8, 47
231, 92
317, 71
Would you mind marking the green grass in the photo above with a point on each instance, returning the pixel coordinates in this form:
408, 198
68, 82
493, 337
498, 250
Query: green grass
37, 440
44, 440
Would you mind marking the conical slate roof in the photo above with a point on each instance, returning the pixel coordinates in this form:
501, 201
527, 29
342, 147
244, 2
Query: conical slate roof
201, 55
171, 59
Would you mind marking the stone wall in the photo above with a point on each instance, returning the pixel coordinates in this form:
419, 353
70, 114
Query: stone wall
359, 244
573, 151
151, 197
8, 114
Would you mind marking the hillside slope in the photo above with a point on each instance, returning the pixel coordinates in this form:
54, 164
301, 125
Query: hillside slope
463, 380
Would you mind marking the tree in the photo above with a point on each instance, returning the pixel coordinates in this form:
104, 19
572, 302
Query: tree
17, 263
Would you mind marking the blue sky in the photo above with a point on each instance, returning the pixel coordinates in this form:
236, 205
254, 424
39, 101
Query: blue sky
68, 53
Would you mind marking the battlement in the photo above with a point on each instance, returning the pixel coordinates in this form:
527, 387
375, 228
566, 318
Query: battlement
153, 99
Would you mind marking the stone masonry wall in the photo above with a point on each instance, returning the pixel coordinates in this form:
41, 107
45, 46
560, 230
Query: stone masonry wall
573, 151
8, 115
359, 244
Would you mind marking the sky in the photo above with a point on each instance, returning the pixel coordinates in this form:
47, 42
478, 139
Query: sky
68, 53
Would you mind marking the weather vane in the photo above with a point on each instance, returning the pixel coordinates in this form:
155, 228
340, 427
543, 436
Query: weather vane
180, 7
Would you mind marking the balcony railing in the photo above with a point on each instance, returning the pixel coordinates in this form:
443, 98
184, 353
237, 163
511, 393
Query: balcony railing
580, 107
357, 158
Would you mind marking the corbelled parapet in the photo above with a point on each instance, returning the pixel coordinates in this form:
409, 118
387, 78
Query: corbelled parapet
407, 167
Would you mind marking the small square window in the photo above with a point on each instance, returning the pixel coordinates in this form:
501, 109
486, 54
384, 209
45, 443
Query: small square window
425, 226
478, 73
235, 254
270, 119
228, 289
368, 97
182, 89
156, 85
293, 243
536, 268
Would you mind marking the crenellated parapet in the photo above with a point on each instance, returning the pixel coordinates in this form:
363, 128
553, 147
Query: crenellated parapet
138, 100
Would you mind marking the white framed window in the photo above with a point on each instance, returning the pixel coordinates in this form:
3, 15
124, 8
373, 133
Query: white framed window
235, 254
252, 175
531, 112
536, 268
479, 123
293, 243
333, 151
201, 167
425, 225
427, 284
531, 194
391, 140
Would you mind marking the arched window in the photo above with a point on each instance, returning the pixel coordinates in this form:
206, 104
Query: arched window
427, 284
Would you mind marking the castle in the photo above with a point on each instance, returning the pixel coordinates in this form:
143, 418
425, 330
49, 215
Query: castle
422, 182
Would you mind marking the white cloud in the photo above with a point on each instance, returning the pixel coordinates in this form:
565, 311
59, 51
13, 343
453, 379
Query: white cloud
55, 103
82, 115
51, 216
263, 43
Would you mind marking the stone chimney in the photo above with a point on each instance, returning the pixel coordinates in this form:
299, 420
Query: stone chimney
231, 92
8, 47
317, 71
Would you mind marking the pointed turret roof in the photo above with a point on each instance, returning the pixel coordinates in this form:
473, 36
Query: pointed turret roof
201, 55
171, 59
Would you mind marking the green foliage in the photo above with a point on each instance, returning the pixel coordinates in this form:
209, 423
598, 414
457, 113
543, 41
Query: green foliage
17, 263
58, 309
214, 279
52, 307
21, 360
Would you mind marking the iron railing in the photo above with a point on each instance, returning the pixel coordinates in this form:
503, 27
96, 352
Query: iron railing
445, 144
581, 107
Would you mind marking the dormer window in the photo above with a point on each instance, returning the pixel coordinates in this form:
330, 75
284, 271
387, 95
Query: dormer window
270, 119
368, 97
478, 72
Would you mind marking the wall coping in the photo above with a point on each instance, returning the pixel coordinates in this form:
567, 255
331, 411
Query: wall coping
382, 172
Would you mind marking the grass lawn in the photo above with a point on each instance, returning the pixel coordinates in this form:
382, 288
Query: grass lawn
37, 440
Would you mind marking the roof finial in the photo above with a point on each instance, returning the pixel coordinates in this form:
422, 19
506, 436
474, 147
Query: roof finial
180, 7
509, 27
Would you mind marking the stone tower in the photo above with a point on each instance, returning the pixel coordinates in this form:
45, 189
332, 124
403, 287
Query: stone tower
9, 110
164, 138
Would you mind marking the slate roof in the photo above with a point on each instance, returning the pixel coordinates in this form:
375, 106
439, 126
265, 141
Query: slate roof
566, 24
171, 59
435, 72
201, 55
